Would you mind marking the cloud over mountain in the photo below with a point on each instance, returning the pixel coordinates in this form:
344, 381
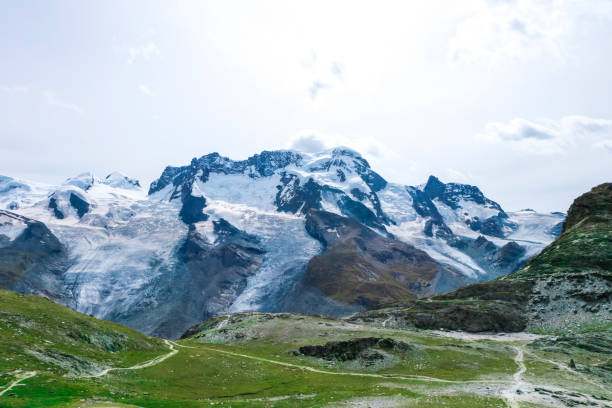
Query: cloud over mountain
546, 136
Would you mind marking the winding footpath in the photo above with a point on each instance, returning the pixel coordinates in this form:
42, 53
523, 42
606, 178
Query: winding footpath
344, 373
510, 394
29, 374
20, 378
146, 364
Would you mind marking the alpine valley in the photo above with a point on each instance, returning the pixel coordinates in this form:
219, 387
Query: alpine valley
299, 280
282, 231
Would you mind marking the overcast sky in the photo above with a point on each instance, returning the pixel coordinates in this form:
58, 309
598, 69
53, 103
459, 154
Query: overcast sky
512, 96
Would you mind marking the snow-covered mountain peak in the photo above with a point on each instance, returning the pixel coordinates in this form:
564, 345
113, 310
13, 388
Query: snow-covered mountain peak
119, 180
17, 193
9, 183
453, 194
87, 180
84, 180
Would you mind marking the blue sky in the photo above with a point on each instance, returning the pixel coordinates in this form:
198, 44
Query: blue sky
512, 96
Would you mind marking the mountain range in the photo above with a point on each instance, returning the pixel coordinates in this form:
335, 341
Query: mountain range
568, 285
283, 231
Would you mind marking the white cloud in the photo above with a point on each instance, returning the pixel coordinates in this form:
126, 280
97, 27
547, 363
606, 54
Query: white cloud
53, 100
145, 52
496, 32
312, 141
548, 136
145, 90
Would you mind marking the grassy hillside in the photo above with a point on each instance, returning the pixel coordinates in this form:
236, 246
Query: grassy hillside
80, 342
49, 354
60, 344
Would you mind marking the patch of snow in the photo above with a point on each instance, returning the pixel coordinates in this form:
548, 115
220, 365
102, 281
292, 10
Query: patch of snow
257, 193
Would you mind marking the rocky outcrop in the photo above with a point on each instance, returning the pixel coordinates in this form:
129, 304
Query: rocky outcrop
81, 206
191, 211
455, 200
470, 316
353, 349
452, 194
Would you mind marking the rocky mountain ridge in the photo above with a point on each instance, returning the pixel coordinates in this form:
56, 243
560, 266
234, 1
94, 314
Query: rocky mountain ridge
219, 236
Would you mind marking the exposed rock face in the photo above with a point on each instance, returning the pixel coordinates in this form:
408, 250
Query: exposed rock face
573, 275
259, 165
182, 179
191, 212
56, 211
494, 316
34, 261
451, 193
569, 283
81, 206
364, 268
